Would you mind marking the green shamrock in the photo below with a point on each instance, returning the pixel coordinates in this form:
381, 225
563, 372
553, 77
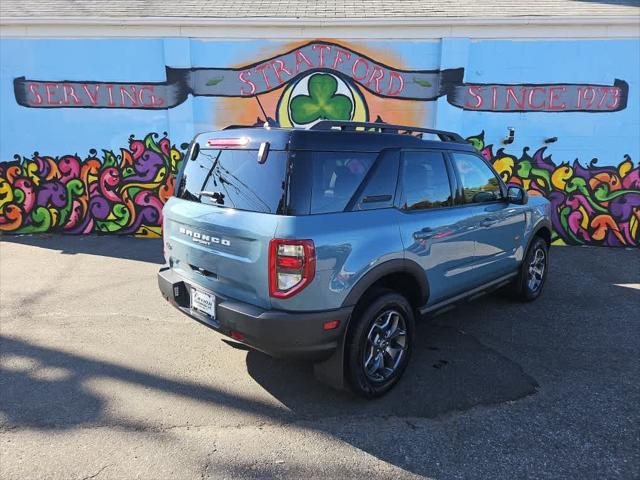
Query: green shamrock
322, 102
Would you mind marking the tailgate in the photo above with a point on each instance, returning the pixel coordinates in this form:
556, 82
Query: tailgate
221, 249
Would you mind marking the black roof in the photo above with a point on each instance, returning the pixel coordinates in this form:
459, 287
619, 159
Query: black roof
342, 137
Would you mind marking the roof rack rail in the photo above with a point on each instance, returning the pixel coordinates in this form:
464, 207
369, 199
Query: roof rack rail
386, 128
234, 127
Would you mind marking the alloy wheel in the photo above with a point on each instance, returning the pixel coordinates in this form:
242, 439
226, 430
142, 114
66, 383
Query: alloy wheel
536, 270
386, 345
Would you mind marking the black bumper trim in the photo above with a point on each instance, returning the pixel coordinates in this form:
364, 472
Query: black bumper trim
275, 332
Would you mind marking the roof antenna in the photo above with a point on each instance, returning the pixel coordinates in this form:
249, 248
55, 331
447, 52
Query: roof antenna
266, 119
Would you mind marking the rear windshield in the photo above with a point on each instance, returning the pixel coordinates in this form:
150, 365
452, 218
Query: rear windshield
235, 179
324, 182
319, 182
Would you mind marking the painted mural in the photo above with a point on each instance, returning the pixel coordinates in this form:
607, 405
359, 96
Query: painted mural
320, 56
258, 78
592, 205
124, 193
119, 193
122, 189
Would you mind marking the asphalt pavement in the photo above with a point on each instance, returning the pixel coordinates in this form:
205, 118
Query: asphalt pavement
100, 378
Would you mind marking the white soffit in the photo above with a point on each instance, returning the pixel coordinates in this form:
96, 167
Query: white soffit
347, 28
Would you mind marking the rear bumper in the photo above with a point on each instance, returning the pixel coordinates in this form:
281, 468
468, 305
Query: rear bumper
275, 332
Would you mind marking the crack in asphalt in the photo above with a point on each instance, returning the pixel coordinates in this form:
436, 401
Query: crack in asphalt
97, 473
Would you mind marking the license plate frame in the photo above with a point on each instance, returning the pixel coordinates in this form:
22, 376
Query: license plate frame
203, 302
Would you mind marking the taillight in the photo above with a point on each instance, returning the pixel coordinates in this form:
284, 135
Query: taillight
292, 266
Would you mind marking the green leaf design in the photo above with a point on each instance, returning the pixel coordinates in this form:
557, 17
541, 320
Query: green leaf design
476, 142
109, 160
40, 221
322, 102
150, 143
524, 169
128, 171
122, 215
18, 196
75, 188
422, 82
540, 173
133, 191
214, 81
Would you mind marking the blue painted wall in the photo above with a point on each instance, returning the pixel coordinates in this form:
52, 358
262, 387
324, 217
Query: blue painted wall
611, 136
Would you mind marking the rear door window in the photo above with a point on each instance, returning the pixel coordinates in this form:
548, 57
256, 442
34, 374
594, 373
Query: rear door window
235, 179
425, 181
380, 184
324, 182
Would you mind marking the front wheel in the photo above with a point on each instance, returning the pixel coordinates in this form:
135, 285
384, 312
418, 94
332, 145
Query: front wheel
380, 342
533, 272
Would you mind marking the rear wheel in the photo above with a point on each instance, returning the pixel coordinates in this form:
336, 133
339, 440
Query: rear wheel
380, 343
533, 272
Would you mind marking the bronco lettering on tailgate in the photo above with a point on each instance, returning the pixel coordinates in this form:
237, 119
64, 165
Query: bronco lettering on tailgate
203, 238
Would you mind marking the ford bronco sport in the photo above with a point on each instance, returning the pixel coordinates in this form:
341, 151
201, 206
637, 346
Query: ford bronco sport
327, 243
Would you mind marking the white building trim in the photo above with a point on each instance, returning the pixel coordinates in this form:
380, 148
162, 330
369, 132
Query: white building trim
303, 28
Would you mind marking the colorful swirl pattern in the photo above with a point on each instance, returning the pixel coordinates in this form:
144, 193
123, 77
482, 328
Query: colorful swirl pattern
124, 194
596, 205
119, 194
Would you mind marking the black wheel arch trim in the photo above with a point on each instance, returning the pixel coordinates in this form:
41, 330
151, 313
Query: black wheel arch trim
536, 230
399, 265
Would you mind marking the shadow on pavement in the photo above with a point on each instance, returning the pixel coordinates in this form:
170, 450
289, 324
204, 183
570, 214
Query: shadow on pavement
46, 389
578, 336
116, 246
456, 374
29, 399
449, 371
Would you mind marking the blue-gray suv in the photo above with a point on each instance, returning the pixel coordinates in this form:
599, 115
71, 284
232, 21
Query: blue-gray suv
327, 243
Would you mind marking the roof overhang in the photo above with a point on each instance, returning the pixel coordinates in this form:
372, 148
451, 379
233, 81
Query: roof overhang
299, 28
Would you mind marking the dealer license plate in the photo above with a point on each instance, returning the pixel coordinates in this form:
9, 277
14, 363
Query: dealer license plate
203, 302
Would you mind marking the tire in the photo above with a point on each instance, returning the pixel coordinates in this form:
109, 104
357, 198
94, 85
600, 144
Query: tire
377, 350
533, 272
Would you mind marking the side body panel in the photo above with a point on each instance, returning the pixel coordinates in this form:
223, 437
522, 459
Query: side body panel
348, 245
498, 233
499, 228
441, 241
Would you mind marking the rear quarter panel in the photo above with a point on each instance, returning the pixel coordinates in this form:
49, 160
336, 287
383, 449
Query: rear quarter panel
348, 245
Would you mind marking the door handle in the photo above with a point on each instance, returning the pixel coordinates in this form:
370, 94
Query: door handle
376, 198
424, 234
487, 222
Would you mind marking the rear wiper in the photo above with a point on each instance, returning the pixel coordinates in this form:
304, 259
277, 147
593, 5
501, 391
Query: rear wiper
217, 196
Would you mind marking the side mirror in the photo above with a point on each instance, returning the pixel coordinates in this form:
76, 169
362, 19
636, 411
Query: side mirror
517, 195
